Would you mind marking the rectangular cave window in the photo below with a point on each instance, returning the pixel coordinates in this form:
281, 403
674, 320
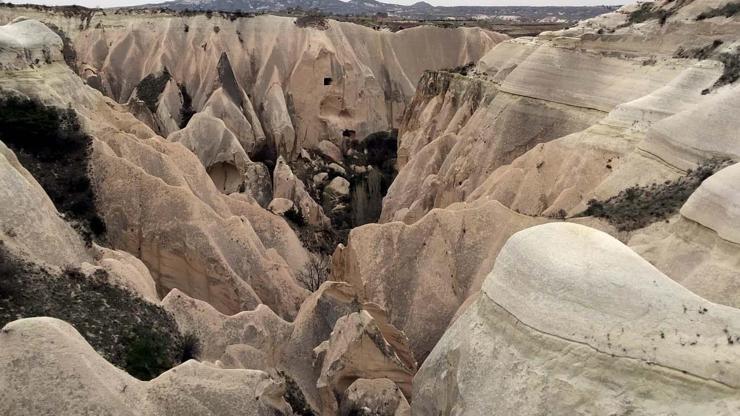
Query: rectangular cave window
348, 133
327, 81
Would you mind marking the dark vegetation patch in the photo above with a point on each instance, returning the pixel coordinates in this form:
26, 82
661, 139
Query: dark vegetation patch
295, 216
728, 10
640, 206
315, 272
703, 52
462, 69
151, 87
314, 20
731, 72
49, 142
646, 11
730, 60
295, 397
186, 112
649, 11
68, 50
136, 335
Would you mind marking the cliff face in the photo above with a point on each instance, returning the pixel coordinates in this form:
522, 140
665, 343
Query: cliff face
304, 84
595, 80
616, 110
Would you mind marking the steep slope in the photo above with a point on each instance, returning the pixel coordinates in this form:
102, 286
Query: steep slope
207, 246
540, 127
594, 86
93, 386
306, 84
224, 253
572, 321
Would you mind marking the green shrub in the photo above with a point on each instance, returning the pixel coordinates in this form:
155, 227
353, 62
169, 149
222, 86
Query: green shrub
639, 206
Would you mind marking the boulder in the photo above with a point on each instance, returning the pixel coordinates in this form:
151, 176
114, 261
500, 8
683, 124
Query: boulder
336, 168
280, 206
571, 321
716, 203
260, 329
338, 188
379, 396
320, 178
358, 349
329, 151
258, 182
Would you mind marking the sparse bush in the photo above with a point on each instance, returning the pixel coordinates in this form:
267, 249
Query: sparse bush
728, 10
189, 347
464, 69
186, 112
315, 272
640, 206
314, 20
148, 354
68, 51
731, 71
645, 12
295, 397
151, 87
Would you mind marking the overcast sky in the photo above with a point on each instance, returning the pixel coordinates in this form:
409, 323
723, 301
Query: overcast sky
117, 3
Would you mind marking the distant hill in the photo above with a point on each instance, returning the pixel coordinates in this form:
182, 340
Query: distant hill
419, 10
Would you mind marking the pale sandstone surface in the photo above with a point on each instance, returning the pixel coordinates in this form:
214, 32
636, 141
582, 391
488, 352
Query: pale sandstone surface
27, 41
32, 228
207, 245
636, 341
76, 380
610, 88
716, 204
334, 340
699, 247
440, 260
260, 328
279, 69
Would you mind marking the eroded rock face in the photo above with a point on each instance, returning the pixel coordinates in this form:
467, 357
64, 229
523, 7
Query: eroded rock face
93, 386
627, 326
160, 205
378, 396
528, 117
357, 349
443, 257
260, 329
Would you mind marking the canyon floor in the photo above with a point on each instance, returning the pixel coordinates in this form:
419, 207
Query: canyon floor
222, 214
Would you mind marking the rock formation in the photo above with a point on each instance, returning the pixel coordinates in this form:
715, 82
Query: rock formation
93, 386
169, 203
572, 321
